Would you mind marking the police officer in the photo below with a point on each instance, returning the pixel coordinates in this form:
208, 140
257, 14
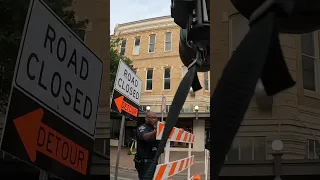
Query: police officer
146, 144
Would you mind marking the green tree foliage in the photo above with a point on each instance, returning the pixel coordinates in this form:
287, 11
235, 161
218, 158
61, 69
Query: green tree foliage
12, 16
115, 57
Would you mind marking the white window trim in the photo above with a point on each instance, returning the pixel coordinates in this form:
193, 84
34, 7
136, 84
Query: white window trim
155, 40
316, 63
207, 90
164, 69
134, 45
124, 47
164, 42
145, 88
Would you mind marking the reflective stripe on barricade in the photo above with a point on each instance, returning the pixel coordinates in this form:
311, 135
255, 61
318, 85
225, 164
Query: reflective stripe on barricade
168, 169
176, 135
164, 171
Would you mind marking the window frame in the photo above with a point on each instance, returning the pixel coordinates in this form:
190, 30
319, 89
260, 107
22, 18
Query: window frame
134, 45
231, 18
146, 82
164, 78
252, 138
164, 42
204, 80
124, 39
155, 39
316, 156
316, 62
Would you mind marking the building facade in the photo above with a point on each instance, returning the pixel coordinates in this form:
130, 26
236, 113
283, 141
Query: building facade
294, 114
153, 47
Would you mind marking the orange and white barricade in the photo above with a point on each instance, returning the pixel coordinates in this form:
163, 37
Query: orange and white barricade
168, 169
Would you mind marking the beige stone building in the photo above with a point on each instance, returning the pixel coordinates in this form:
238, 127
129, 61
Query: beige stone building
294, 117
153, 47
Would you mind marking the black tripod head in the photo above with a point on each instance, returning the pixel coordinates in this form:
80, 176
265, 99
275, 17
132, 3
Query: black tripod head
193, 16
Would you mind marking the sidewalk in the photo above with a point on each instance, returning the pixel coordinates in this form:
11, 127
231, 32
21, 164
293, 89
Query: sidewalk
126, 161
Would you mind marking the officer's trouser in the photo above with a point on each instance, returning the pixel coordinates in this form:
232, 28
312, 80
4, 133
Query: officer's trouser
142, 166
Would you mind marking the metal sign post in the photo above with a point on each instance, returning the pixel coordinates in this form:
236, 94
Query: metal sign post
119, 146
163, 109
124, 102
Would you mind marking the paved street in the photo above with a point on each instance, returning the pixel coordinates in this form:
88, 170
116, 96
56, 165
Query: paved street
129, 175
126, 161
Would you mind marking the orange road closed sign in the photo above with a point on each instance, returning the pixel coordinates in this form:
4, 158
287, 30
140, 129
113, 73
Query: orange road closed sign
126, 92
122, 105
37, 136
53, 106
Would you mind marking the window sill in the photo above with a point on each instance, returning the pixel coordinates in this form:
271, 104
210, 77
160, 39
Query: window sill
167, 90
168, 51
148, 91
311, 94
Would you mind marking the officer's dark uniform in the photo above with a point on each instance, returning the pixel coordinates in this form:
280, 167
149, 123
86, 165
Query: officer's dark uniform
146, 150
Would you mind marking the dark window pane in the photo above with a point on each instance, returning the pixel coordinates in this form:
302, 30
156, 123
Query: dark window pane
152, 39
311, 149
107, 149
99, 145
167, 84
307, 44
317, 148
137, 41
123, 51
167, 108
167, 73
206, 75
115, 128
168, 37
308, 73
151, 47
206, 84
233, 154
260, 148
150, 74
149, 84
246, 149
168, 46
123, 43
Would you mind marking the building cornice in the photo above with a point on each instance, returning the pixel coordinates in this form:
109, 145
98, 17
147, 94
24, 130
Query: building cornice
145, 25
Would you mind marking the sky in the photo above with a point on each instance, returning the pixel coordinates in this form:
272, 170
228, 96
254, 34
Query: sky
123, 11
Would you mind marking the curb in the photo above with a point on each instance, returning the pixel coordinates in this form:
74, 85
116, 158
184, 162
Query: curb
124, 168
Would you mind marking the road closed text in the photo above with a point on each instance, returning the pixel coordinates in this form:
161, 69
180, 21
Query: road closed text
58, 86
128, 83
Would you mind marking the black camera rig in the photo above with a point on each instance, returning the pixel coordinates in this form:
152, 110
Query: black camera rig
194, 16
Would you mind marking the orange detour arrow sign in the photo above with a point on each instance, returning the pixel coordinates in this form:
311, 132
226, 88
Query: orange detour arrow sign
122, 105
37, 136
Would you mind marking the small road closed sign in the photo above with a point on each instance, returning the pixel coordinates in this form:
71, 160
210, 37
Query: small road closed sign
127, 92
53, 107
